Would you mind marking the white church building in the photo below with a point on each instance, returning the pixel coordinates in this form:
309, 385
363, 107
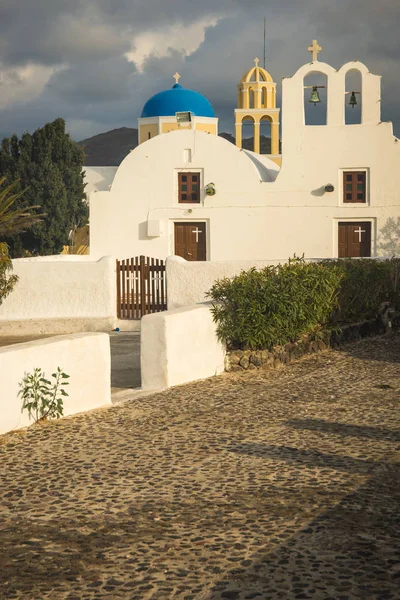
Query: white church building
327, 192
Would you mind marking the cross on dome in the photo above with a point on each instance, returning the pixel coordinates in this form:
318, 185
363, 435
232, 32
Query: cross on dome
176, 77
314, 49
256, 61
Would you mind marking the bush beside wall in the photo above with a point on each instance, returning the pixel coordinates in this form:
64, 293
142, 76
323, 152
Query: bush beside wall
277, 305
365, 285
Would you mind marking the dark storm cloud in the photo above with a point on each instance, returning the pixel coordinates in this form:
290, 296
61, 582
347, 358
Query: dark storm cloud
52, 31
99, 82
96, 88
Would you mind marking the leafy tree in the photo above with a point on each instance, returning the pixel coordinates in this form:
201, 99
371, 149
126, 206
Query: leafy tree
48, 163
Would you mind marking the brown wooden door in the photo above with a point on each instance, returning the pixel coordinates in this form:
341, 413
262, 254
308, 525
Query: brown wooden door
190, 241
354, 239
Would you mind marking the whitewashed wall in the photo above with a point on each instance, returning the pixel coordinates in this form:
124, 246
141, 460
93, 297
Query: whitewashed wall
189, 282
61, 287
145, 188
98, 179
250, 218
85, 357
179, 346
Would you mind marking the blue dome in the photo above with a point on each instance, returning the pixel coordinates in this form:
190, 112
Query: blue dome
177, 99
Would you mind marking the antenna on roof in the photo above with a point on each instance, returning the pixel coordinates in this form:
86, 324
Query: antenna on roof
265, 41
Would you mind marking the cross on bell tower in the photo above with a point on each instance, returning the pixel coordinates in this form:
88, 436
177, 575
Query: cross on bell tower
314, 49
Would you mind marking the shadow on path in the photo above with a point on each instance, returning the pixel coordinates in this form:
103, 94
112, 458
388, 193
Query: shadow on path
348, 552
306, 458
364, 431
125, 359
372, 349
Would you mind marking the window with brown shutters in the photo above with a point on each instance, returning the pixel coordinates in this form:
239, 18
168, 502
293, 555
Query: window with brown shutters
355, 186
189, 188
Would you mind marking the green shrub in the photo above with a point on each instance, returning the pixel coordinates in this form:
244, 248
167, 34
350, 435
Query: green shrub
42, 398
260, 309
365, 285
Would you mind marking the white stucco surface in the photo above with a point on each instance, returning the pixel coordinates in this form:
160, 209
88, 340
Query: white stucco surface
189, 282
54, 288
178, 346
98, 179
85, 357
145, 189
267, 169
258, 213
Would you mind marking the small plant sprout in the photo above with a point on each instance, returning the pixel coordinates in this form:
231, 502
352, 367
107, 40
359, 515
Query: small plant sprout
41, 397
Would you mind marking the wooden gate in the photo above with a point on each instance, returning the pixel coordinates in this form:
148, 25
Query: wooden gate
141, 287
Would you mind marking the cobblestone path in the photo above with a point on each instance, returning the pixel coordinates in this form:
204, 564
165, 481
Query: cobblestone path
251, 485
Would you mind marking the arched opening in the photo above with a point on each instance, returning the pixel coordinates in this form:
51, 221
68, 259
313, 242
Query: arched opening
248, 133
251, 98
265, 135
315, 87
264, 97
353, 102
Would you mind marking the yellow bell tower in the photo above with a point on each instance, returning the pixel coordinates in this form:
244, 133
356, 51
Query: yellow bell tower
257, 103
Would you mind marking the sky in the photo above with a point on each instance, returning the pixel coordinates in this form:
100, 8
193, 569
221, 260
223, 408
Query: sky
96, 62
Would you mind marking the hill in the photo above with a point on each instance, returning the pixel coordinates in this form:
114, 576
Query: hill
110, 148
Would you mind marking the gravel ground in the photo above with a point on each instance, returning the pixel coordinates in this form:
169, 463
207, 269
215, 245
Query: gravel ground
268, 485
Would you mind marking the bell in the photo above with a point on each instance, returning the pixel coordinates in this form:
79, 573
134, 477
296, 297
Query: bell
315, 96
353, 100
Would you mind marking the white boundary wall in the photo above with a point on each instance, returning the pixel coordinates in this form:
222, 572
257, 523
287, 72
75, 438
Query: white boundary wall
61, 287
189, 281
179, 346
83, 356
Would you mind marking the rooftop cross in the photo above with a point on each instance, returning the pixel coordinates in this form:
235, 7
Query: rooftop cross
315, 49
256, 61
176, 77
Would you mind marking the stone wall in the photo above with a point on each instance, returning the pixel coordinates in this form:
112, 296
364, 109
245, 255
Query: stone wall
240, 360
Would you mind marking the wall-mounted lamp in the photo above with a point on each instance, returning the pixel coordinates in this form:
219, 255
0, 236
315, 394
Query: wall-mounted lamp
183, 117
210, 189
329, 187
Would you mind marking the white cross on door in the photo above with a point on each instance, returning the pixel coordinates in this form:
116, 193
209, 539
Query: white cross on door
197, 231
360, 232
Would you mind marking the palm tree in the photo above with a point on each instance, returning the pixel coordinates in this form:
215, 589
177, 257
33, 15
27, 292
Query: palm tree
7, 281
14, 220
